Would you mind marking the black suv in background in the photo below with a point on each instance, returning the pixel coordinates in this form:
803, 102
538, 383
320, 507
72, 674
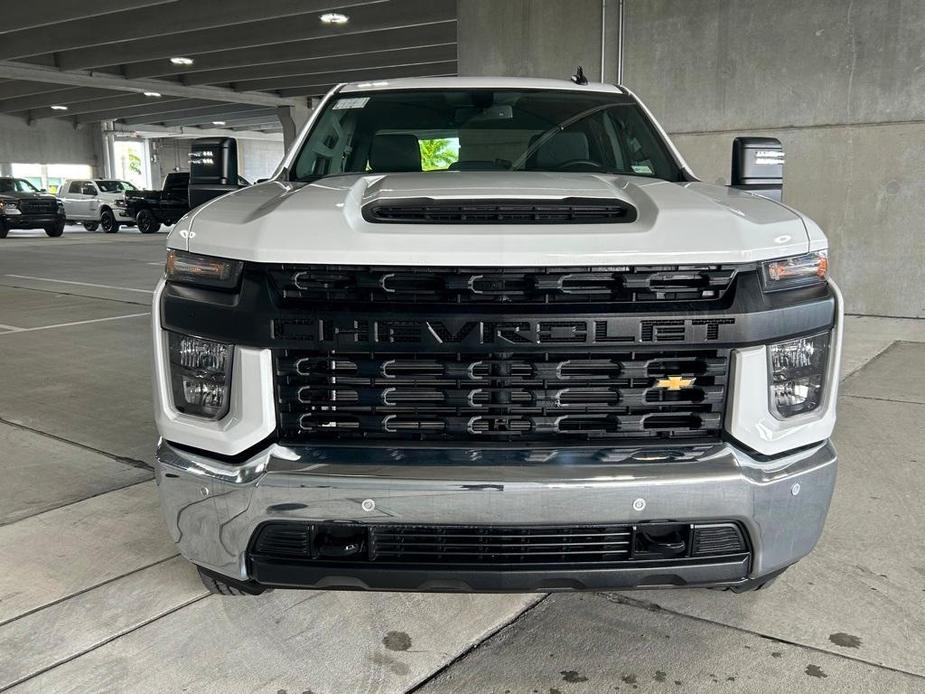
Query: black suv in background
23, 206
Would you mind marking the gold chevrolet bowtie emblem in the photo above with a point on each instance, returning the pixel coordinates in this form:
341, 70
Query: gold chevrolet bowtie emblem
675, 383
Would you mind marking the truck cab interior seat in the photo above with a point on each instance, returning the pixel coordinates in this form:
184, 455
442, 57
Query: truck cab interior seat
396, 152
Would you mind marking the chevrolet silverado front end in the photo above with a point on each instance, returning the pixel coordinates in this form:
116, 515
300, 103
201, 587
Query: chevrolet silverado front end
546, 357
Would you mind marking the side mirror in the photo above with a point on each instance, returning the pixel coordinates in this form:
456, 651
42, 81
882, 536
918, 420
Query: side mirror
43, 190
758, 166
213, 168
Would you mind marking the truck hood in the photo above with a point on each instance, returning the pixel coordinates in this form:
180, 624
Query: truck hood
321, 222
26, 196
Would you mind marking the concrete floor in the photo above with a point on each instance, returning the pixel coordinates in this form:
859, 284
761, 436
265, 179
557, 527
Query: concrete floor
93, 596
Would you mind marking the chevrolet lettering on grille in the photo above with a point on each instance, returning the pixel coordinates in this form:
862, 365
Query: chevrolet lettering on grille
448, 332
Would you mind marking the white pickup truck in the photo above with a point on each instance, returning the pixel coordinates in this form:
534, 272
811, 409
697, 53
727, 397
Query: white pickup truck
97, 203
483, 334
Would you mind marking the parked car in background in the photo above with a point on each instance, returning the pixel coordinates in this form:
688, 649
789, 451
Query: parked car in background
97, 203
151, 208
23, 206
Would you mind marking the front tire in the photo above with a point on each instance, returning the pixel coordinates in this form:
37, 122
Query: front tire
217, 585
55, 230
4, 229
108, 222
147, 222
91, 226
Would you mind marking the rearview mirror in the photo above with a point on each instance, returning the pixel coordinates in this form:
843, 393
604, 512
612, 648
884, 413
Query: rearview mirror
758, 166
213, 168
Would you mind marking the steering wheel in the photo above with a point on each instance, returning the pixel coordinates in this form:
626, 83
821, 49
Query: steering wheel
580, 165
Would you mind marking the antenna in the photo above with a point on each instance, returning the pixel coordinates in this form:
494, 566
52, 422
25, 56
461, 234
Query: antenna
579, 76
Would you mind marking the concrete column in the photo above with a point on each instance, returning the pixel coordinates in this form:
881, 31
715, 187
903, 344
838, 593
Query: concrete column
105, 143
292, 118
539, 38
841, 84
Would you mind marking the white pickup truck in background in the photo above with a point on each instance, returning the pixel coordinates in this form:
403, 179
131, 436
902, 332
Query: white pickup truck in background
97, 203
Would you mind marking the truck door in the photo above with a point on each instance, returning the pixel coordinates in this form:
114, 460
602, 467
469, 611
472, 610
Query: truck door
91, 200
72, 198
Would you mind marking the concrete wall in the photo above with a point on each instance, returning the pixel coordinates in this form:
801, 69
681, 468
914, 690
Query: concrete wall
48, 142
172, 155
841, 84
258, 158
536, 38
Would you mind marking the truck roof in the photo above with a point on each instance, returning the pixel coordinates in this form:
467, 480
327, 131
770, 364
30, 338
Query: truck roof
479, 83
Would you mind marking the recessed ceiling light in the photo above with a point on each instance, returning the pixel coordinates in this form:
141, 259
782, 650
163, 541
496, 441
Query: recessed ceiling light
152, 93
335, 18
59, 108
181, 61
218, 122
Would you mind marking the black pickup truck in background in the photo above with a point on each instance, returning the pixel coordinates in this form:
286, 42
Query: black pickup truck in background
213, 172
151, 208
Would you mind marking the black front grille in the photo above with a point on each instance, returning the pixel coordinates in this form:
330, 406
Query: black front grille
516, 211
38, 206
325, 284
499, 545
502, 397
493, 546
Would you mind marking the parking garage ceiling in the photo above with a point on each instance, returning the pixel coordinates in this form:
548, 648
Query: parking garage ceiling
111, 60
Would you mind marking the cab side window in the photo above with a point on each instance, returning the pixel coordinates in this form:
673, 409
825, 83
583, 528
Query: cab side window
74, 187
88, 189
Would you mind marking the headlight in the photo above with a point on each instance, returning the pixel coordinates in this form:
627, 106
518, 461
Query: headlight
200, 375
796, 271
796, 373
120, 203
10, 207
203, 270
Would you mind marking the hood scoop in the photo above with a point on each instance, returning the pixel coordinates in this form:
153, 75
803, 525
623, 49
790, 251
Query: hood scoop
570, 210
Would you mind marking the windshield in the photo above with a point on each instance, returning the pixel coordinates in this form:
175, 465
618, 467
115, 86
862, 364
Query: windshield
483, 130
115, 186
16, 185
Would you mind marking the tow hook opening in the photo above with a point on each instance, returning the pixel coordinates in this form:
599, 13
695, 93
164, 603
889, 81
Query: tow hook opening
340, 542
661, 541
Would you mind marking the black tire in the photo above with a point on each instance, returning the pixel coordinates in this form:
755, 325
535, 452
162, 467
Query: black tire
4, 229
147, 222
55, 230
219, 586
91, 226
108, 222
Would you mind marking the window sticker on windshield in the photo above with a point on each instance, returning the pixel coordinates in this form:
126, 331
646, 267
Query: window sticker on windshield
358, 102
642, 169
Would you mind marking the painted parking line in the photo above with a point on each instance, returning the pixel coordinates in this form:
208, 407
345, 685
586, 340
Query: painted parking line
9, 328
82, 284
13, 331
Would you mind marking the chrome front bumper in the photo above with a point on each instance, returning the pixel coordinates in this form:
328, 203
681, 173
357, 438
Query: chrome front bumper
212, 508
